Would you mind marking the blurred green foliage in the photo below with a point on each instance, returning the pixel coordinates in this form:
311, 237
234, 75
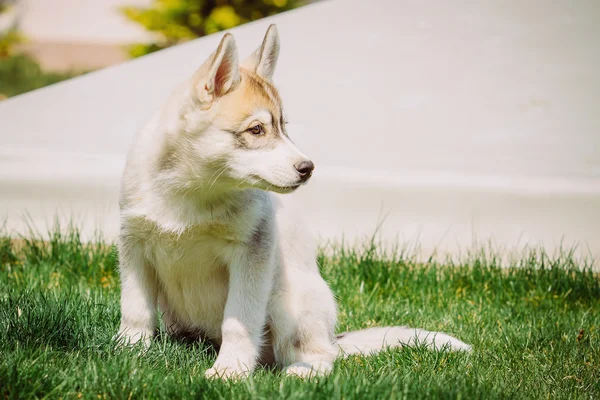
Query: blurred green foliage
9, 37
20, 73
176, 21
8, 42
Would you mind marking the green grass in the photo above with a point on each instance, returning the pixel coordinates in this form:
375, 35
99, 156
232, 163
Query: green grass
535, 330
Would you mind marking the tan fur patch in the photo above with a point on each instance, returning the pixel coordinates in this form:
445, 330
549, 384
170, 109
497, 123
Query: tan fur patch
251, 96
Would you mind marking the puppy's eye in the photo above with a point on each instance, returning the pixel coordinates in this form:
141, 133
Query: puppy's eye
256, 130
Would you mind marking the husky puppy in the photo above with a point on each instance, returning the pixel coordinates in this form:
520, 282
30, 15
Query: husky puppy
206, 239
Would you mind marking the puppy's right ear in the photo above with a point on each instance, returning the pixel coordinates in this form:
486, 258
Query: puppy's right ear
219, 74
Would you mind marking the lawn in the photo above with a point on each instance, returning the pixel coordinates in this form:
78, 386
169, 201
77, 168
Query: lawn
534, 327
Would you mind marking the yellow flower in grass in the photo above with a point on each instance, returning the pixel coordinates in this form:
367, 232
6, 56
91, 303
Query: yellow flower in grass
106, 281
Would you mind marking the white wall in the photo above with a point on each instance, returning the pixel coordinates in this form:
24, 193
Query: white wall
461, 121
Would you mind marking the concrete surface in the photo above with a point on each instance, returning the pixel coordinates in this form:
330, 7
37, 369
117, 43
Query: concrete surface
460, 122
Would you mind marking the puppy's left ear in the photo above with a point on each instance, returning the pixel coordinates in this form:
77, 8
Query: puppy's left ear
264, 59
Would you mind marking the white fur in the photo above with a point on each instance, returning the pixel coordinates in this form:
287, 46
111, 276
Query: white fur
203, 240
275, 166
372, 340
264, 60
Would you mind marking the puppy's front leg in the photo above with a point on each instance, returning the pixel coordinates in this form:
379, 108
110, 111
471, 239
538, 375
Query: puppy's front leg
138, 296
250, 280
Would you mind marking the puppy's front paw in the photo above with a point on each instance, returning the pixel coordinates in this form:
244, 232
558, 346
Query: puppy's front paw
226, 373
306, 370
128, 336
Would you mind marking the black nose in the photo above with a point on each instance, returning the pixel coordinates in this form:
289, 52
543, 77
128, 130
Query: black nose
305, 168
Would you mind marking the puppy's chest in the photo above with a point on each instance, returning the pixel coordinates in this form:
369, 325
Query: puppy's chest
200, 249
193, 276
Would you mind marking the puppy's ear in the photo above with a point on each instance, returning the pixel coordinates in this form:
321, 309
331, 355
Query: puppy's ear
220, 72
264, 59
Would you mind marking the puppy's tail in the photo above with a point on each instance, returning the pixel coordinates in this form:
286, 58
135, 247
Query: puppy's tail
373, 340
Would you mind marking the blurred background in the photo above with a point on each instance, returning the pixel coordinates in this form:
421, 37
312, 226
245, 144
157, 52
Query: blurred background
47, 41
